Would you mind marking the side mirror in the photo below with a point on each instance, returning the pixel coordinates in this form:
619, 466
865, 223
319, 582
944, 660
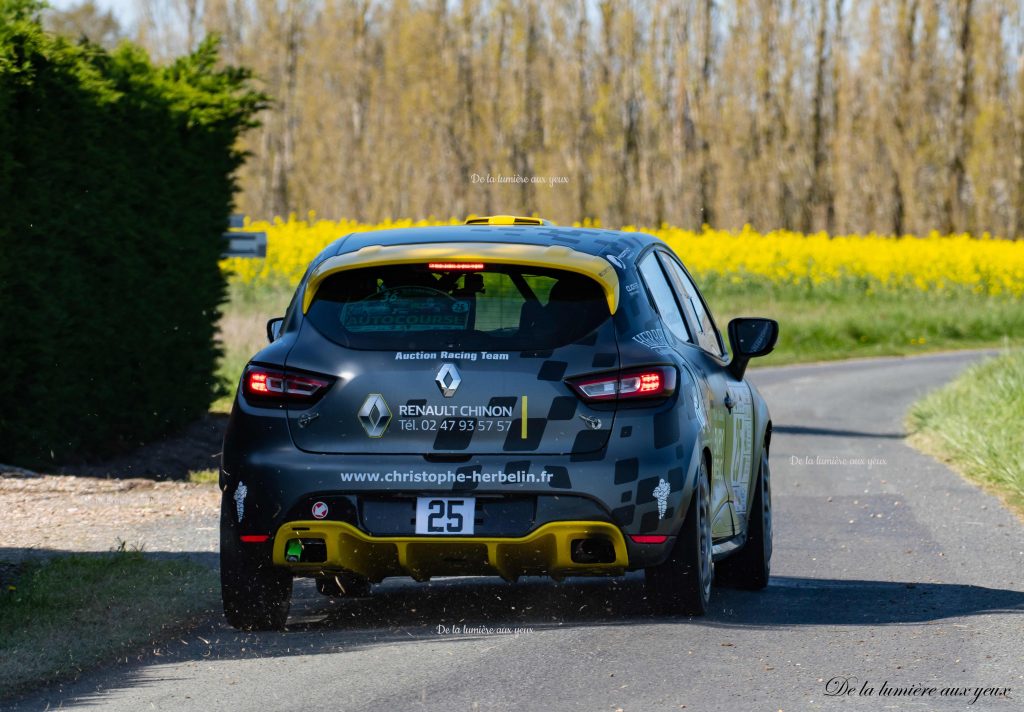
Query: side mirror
274, 327
750, 338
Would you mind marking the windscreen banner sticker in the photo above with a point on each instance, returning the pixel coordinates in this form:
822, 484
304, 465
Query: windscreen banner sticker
406, 309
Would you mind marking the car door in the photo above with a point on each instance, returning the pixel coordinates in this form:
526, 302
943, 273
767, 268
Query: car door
733, 405
668, 305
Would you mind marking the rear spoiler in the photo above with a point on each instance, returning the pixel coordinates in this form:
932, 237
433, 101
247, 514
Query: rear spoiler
554, 256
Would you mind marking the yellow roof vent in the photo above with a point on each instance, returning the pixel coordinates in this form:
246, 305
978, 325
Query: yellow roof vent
506, 220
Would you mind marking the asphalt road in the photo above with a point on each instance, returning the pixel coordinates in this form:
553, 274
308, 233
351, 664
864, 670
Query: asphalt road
888, 568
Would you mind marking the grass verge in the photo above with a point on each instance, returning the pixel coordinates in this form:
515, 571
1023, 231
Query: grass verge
827, 324
243, 332
974, 423
204, 477
68, 613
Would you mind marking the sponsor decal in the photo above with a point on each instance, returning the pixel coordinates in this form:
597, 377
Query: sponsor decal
524, 423
448, 380
450, 356
500, 476
696, 395
653, 339
320, 510
453, 411
620, 259
374, 415
632, 287
240, 493
698, 407
451, 417
741, 465
661, 494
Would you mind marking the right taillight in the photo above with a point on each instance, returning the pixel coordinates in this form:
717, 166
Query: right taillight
270, 387
651, 382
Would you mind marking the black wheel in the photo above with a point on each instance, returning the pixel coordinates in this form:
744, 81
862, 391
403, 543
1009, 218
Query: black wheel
256, 594
750, 567
682, 584
343, 584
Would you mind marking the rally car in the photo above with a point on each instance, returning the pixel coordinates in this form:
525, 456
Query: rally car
505, 397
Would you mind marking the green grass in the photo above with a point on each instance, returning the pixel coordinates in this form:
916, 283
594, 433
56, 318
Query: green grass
976, 423
68, 613
816, 325
838, 323
243, 332
204, 477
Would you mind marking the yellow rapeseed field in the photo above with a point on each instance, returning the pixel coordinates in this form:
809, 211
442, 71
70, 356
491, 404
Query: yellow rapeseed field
933, 263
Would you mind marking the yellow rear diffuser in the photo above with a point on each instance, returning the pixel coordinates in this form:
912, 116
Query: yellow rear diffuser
553, 256
545, 551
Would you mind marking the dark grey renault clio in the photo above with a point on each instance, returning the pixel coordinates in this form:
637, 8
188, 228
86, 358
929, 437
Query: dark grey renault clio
504, 397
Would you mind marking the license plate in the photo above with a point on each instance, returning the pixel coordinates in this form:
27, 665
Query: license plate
445, 515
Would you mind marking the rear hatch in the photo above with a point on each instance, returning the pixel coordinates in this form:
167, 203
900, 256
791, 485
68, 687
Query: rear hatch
459, 357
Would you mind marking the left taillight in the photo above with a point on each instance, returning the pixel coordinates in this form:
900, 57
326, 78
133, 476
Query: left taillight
652, 382
271, 387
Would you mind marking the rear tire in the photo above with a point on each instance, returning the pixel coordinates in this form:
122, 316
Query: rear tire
256, 594
682, 584
750, 567
343, 585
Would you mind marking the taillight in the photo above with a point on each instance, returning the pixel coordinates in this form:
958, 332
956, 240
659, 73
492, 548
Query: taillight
649, 538
653, 382
272, 387
260, 538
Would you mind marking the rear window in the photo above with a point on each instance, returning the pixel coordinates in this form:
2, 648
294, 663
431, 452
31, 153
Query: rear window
499, 307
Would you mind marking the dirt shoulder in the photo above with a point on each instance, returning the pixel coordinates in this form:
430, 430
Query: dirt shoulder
142, 498
64, 513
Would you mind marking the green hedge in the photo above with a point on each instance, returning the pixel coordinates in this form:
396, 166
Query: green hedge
116, 179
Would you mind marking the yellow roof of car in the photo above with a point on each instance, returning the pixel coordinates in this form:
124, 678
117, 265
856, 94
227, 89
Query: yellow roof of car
551, 256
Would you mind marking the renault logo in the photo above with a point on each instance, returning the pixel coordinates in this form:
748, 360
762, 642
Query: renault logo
375, 415
448, 380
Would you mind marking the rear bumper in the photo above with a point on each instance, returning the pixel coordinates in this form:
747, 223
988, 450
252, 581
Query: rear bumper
546, 551
641, 484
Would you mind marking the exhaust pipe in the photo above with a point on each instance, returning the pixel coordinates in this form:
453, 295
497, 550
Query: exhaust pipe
592, 551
